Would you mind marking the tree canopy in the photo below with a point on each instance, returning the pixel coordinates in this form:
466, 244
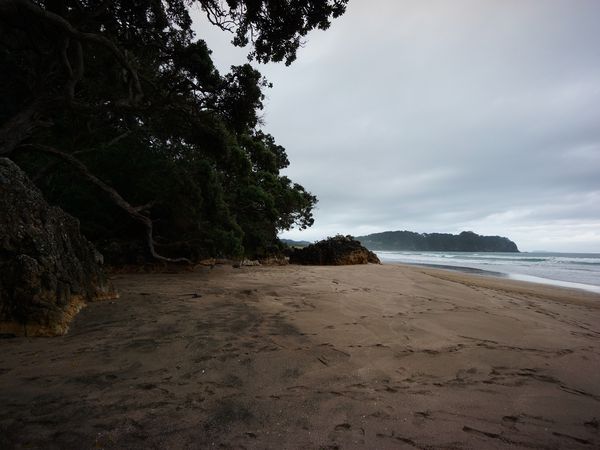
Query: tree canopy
116, 111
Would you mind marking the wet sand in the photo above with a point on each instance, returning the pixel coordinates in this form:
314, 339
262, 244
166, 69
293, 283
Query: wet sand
312, 357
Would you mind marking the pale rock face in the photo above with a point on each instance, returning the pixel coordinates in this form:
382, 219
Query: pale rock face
48, 270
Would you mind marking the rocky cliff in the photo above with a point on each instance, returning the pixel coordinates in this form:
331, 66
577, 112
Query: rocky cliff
48, 270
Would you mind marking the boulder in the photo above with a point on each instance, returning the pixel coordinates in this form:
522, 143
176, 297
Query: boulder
48, 270
335, 251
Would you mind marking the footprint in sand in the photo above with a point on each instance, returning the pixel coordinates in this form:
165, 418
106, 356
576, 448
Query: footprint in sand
510, 421
347, 431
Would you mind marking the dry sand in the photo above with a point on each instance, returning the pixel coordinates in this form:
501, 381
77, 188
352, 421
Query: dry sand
312, 357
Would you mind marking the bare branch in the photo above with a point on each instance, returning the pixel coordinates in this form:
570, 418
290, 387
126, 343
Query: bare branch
70, 30
145, 207
215, 17
105, 146
77, 74
43, 172
116, 198
65, 57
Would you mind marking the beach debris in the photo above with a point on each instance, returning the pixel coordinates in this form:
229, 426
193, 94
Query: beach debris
249, 262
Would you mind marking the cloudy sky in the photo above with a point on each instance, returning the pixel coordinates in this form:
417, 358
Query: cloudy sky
443, 116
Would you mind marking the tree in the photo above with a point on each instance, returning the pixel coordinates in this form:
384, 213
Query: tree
117, 112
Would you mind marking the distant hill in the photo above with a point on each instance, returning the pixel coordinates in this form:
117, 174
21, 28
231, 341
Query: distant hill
293, 243
467, 241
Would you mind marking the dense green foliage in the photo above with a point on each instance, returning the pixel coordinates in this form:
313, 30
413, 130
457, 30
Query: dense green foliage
333, 251
467, 241
117, 112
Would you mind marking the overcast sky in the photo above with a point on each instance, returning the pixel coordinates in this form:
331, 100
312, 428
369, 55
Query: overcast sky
443, 116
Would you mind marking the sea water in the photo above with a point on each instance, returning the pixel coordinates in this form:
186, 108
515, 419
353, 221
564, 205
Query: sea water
574, 270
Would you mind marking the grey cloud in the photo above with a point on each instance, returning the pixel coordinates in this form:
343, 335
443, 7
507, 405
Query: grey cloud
442, 116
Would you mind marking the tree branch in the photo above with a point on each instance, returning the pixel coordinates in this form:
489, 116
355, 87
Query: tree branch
44, 171
216, 16
70, 30
75, 75
105, 146
116, 198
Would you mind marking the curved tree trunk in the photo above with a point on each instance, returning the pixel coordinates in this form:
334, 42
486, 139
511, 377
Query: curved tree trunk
117, 199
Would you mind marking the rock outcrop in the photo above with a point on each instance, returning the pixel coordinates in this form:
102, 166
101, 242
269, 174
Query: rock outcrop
335, 251
467, 241
48, 270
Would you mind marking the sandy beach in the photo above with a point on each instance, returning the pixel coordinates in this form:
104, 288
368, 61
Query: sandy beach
368, 356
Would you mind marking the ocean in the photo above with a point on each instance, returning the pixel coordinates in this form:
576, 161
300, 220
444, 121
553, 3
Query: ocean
572, 270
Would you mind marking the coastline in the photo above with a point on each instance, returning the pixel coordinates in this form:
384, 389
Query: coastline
390, 356
566, 270
506, 275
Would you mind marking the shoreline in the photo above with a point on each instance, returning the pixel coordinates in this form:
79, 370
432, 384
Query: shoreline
372, 356
504, 275
505, 283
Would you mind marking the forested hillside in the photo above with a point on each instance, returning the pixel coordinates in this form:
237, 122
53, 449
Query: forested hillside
467, 241
116, 111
